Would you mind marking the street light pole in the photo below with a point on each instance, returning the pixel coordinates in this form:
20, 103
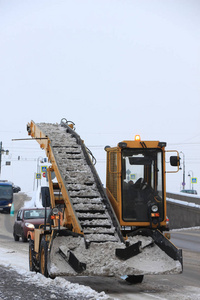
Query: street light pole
191, 184
183, 183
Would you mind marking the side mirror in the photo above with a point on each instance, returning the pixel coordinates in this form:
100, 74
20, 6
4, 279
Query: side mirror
46, 202
174, 161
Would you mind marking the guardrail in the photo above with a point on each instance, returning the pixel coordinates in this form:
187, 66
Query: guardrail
183, 211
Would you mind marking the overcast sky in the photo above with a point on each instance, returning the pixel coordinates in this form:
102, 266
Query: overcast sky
115, 68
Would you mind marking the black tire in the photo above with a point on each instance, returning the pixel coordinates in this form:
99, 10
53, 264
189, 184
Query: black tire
24, 239
16, 237
32, 261
43, 257
134, 279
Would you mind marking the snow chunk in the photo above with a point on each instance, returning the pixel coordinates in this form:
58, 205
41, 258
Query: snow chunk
101, 260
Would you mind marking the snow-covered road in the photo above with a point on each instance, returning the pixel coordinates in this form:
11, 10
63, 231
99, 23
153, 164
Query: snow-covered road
17, 260
102, 288
14, 257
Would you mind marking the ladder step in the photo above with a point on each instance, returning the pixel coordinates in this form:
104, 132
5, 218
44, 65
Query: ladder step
95, 238
91, 225
89, 207
102, 230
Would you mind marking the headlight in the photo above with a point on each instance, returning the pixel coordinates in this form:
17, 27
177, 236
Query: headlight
55, 211
154, 208
29, 225
10, 204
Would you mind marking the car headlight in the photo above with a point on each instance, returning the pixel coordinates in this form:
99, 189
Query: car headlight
154, 208
29, 225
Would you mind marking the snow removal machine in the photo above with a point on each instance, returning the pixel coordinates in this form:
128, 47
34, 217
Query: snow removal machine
95, 231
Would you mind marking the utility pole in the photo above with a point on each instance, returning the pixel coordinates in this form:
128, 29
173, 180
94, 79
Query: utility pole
2, 152
183, 183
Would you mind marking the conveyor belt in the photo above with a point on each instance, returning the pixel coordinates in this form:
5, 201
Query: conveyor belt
88, 211
86, 193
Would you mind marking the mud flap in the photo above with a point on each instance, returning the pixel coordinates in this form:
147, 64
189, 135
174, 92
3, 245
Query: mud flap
73, 261
129, 251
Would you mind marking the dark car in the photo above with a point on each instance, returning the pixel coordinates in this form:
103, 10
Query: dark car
28, 219
193, 192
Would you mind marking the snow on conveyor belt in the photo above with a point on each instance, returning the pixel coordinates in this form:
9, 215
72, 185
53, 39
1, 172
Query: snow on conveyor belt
80, 184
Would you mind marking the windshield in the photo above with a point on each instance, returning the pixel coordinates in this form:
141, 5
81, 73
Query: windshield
142, 183
35, 213
6, 192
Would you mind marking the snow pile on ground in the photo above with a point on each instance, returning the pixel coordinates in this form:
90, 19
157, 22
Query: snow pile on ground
35, 200
188, 228
183, 194
184, 203
101, 260
19, 262
72, 289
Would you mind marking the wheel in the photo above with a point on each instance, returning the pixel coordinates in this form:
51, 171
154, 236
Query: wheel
43, 257
16, 237
32, 267
24, 239
134, 279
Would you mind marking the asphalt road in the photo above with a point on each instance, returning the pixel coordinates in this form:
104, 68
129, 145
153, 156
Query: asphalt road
183, 286
187, 239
